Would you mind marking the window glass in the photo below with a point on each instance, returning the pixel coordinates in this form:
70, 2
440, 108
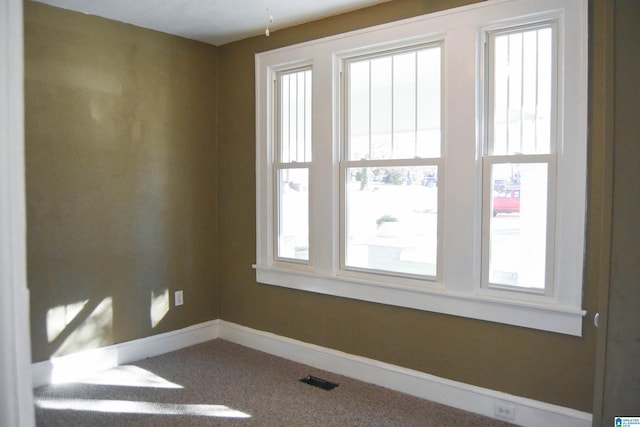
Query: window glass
518, 225
522, 92
392, 219
394, 104
293, 209
295, 116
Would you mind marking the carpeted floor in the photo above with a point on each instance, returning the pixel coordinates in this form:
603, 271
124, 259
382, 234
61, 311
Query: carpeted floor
220, 383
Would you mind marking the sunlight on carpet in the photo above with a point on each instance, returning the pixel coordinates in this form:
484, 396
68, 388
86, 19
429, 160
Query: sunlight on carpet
128, 376
132, 407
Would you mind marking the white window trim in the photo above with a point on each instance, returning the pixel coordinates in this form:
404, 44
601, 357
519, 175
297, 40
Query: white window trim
459, 291
16, 408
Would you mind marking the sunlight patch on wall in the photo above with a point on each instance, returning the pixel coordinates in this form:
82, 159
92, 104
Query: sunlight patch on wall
59, 317
96, 330
128, 376
130, 407
159, 306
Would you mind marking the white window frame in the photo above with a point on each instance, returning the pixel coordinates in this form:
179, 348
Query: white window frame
458, 290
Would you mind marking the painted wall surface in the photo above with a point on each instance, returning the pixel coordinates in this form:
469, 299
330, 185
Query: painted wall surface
121, 180
622, 347
133, 189
543, 366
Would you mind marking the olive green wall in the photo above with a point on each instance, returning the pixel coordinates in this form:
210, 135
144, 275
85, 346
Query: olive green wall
543, 366
132, 188
121, 180
618, 370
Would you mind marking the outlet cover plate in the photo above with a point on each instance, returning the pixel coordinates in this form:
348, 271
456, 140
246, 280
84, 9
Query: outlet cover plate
504, 411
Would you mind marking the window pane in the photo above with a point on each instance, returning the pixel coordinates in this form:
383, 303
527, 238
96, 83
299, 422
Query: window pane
394, 106
522, 89
295, 116
381, 111
359, 110
518, 226
428, 103
293, 213
404, 106
392, 219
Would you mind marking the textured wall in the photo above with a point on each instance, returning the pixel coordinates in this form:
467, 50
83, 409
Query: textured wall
622, 371
544, 366
121, 180
125, 181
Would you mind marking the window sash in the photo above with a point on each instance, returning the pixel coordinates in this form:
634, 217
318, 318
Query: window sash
344, 166
421, 124
286, 220
487, 217
292, 122
521, 95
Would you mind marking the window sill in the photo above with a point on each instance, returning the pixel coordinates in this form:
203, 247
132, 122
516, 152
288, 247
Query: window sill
542, 316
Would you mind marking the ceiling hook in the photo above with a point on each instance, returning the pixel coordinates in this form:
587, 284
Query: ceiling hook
267, 32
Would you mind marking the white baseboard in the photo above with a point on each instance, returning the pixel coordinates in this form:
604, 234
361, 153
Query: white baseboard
526, 412
66, 368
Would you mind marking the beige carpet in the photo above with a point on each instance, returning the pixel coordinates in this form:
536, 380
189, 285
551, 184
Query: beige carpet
220, 383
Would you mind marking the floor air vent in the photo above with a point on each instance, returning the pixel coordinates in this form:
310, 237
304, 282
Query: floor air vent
319, 382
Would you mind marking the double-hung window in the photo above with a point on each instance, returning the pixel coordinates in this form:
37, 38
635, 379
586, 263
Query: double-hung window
292, 161
447, 171
519, 160
391, 149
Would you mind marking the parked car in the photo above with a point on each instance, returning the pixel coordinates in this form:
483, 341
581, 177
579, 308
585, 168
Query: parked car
507, 201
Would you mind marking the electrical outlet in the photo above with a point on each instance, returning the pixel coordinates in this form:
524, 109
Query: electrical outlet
178, 298
505, 411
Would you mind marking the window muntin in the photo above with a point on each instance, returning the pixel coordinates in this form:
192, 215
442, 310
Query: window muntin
293, 151
393, 116
520, 158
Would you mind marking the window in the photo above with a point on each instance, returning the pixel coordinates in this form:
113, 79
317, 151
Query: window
448, 166
293, 148
392, 145
520, 158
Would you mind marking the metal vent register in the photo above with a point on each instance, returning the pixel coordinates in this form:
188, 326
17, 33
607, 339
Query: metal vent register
319, 382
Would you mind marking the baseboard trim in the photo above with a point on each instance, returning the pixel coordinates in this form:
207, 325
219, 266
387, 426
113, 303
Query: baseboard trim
66, 368
527, 412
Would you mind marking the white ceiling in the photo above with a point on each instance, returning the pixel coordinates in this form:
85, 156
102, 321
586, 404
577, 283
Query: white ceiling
212, 21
